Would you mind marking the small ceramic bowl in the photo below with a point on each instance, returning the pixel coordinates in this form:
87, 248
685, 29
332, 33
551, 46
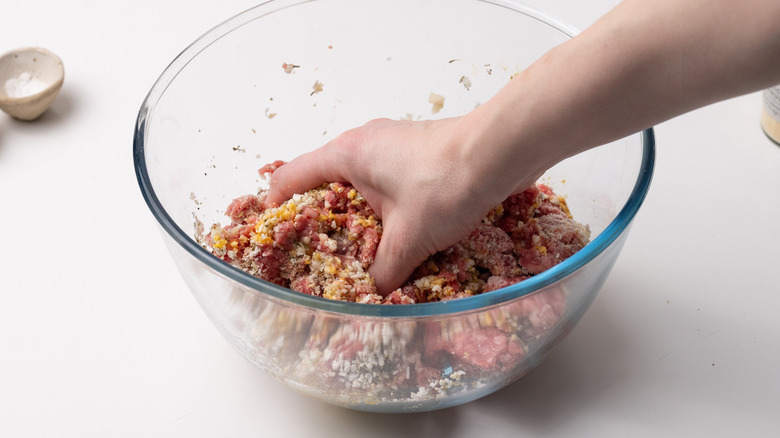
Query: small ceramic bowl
30, 79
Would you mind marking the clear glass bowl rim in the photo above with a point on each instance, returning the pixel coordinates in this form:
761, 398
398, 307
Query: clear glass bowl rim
617, 227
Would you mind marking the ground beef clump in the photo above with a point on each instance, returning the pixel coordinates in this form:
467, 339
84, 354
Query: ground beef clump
323, 241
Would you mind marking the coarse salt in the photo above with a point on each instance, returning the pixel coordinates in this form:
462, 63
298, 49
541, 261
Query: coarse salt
24, 85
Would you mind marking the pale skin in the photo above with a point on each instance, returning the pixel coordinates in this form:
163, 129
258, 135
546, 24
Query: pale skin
644, 62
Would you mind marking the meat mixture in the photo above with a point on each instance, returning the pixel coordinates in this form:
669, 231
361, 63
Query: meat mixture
323, 241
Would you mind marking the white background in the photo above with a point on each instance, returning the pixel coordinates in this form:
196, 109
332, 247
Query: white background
100, 337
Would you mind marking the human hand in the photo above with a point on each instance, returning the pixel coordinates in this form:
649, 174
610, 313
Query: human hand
419, 177
431, 182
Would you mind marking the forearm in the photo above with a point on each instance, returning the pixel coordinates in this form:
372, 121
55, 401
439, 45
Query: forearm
645, 62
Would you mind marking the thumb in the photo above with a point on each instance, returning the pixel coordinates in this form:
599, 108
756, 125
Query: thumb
399, 253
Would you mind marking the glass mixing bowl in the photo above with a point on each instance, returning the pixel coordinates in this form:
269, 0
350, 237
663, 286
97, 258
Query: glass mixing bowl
288, 75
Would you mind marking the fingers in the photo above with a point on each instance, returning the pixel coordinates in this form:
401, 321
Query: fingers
305, 172
336, 161
398, 167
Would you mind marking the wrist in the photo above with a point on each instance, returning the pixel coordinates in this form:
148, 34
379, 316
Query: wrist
505, 143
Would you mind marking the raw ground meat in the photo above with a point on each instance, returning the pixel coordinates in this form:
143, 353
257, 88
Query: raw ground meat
323, 241
372, 360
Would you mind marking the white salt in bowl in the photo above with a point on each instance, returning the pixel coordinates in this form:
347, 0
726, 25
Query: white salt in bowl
227, 105
30, 80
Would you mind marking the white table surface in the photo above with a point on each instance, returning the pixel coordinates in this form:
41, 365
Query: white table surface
99, 336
